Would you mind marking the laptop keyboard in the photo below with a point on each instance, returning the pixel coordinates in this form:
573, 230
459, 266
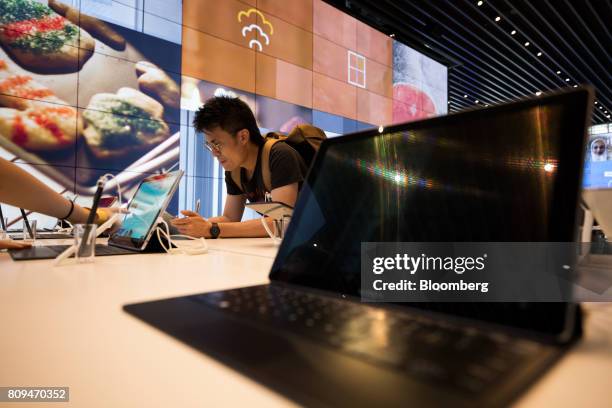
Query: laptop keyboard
467, 359
52, 251
43, 235
101, 249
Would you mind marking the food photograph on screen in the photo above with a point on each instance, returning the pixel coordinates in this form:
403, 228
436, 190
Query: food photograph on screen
90, 87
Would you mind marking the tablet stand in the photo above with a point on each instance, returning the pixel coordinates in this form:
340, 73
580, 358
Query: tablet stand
154, 246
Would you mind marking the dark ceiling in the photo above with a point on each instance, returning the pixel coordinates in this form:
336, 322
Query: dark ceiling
501, 50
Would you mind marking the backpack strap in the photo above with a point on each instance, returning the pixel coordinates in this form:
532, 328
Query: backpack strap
265, 163
265, 167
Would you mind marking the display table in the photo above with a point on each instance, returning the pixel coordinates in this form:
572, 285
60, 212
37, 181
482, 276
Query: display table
64, 326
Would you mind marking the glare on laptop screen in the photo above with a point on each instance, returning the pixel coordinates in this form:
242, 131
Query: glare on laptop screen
507, 174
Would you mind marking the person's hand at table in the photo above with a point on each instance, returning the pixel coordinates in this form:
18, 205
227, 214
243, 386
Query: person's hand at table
104, 214
193, 225
10, 244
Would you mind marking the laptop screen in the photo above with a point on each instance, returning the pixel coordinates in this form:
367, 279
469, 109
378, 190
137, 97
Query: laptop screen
150, 200
508, 173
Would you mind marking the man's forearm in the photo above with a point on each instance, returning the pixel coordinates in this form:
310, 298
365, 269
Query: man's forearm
244, 229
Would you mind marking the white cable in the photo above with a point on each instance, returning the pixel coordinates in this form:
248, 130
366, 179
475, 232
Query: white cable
187, 250
272, 235
158, 230
68, 252
63, 230
108, 224
107, 178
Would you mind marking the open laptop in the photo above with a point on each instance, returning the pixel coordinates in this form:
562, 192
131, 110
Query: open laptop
45, 227
137, 227
475, 176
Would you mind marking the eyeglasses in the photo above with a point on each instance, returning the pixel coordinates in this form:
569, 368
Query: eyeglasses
213, 146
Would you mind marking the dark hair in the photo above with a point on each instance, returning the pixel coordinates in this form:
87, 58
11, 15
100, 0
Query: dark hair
229, 114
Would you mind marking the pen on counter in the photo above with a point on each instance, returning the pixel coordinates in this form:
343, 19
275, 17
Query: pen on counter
197, 206
27, 222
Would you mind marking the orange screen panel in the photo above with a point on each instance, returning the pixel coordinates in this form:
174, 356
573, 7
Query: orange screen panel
374, 45
333, 96
334, 25
373, 108
217, 18
330, 59
296, 12
284, 81
285, 41
379, 78
215, 60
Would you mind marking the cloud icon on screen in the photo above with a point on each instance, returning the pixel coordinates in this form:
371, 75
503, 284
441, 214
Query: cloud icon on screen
256, 30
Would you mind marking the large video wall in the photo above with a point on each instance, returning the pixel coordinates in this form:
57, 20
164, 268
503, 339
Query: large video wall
89, 87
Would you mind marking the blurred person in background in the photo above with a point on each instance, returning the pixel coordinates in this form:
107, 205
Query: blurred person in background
599, 150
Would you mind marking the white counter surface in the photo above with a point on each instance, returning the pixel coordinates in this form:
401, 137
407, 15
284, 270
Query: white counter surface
64, 326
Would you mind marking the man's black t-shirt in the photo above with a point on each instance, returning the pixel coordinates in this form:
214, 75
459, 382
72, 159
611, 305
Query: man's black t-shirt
286, 167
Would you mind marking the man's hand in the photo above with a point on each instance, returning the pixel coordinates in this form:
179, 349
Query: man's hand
10, 244
193, 225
